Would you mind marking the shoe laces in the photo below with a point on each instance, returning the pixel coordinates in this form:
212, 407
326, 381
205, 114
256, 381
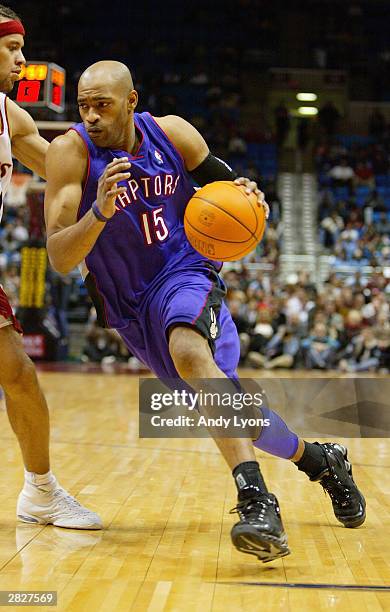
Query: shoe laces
257, 506
68, 502
338, 491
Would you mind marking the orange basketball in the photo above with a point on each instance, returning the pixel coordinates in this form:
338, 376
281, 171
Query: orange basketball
223, 222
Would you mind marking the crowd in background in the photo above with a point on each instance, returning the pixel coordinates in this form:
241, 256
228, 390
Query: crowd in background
345, 325
206, 78
354, 196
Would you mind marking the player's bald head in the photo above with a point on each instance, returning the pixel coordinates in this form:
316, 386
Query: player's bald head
114, 75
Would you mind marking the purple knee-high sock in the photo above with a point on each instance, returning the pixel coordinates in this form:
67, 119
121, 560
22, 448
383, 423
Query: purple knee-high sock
276, 438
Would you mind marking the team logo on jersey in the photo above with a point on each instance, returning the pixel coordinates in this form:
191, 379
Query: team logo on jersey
213, 324
158, 156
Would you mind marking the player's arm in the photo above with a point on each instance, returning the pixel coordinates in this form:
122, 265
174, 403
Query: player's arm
70, 240
200, 163
28, 146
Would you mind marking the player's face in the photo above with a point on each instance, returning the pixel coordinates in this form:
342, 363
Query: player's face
105, 116
11, 60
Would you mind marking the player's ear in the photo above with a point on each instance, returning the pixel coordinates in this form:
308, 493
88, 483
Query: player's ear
132, 100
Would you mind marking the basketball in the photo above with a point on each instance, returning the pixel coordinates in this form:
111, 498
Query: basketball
224, 223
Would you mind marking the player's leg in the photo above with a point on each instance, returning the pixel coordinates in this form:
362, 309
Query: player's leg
260, 530
324, 463
42, 500
26, 406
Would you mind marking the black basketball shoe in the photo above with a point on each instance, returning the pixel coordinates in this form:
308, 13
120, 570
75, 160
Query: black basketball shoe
260, 529
348, 503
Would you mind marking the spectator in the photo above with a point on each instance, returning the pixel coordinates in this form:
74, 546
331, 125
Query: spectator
342, 175
282, 123
319, 348
362, 354
331, 226
303, 134
282, 349
376, 124
237, 145
261, 332
364, 175
329, 117
374, 203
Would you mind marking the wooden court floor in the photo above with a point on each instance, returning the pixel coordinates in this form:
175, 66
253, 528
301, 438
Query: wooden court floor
165, 506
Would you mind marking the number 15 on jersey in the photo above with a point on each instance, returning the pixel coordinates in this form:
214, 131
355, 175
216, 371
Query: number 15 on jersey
153, 226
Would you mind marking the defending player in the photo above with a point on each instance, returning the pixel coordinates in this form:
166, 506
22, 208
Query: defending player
42, 500
117, 188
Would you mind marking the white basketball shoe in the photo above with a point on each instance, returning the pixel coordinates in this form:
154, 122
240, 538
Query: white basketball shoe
52, 505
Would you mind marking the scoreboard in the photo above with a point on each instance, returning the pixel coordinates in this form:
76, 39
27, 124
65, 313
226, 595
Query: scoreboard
41, 85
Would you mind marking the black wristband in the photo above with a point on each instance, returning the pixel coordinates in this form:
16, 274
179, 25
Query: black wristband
99, 215
212, 169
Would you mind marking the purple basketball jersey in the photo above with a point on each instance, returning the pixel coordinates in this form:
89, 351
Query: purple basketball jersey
145, 241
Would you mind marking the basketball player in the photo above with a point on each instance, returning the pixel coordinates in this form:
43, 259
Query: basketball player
118, 184
42, 500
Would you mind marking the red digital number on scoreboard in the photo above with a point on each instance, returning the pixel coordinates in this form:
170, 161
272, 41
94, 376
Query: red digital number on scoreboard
28, 91
56, 95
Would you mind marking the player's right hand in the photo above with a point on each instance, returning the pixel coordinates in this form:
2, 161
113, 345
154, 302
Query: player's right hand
108, 189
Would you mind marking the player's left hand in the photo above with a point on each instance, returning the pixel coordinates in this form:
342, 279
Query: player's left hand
251, 187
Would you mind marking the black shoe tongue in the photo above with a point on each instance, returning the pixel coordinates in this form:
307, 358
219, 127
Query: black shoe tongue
249, 493
319, 475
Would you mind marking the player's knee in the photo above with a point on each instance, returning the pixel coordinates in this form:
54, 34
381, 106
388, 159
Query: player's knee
19, 376
188, 353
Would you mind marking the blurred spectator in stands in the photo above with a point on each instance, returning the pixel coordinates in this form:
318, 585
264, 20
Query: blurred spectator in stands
282, 349
376, 124
362, 353
261, 332
319, 348
200, 76
282, 123
353, 324
364, 175
320, 56
303, 134
3, 260
342, 174
380, 161
8, 240
19, 231
243, 325
383, 339
274, 201
374, 203
103, 345
328, 117
60, 288
383, 224
331, 227
11, 284
237, 145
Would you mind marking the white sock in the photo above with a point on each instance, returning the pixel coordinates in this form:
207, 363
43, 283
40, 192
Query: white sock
45, 481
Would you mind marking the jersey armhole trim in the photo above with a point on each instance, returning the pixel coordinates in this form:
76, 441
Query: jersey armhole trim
7, 119
3, 117
167, 137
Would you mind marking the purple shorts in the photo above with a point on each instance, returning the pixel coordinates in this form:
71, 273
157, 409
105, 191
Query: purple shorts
191, 297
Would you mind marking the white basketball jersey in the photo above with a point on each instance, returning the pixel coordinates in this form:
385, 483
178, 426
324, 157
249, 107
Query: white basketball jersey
5, 153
